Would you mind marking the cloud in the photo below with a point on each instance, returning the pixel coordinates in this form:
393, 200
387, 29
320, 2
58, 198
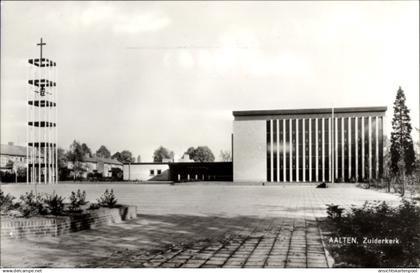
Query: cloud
226, 60
97, 14
131, 22
185, 59
238, 53
140, 23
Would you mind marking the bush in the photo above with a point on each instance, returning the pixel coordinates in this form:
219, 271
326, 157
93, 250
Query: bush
117, 174
94, 206
31, 205
54, 204
12, 176
107, 199
6, 202
64, 173
334, 212
6, 176
377, 220
77, 199
95, 176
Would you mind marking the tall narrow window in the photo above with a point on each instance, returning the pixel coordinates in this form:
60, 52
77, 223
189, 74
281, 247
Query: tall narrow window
307, 170
313, 150
326, 149
339, 150
366, 146
381, 146
300, 149
274, 150
346, 147
360, 148
353, 149
293, 168
373, 139
268, 150
287, 149
281, 167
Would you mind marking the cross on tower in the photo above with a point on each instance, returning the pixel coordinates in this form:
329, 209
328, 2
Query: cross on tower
42, 89
40, 45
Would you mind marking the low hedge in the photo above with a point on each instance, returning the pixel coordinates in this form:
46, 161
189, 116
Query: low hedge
374, 220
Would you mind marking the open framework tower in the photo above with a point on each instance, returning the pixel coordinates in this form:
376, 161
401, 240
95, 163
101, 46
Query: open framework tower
42, 121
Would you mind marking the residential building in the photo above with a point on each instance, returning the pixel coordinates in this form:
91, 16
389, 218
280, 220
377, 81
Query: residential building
12, 153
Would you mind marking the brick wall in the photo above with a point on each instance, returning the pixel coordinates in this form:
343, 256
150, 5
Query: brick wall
52, 226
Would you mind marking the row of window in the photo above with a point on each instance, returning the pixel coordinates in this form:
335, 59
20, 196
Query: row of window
355, 145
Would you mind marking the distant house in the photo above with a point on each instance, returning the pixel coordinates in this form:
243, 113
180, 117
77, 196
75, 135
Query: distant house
12, 153
98, 165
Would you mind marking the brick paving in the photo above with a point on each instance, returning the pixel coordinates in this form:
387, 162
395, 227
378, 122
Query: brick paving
284, 243
199, 226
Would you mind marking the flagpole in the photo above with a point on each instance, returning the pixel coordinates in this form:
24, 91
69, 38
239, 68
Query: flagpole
332, 151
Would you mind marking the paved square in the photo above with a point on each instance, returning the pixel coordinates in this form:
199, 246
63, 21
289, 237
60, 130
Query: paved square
201, 225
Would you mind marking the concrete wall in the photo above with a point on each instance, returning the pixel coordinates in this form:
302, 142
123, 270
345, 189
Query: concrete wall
249, 151
142, 172
52, 226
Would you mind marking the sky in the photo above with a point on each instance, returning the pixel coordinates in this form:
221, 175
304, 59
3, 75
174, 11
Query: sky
137, 75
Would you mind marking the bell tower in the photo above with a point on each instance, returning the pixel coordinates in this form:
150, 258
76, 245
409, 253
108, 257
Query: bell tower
41, 133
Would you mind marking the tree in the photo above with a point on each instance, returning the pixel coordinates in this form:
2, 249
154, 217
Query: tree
162, 153
417, 150
116, 156
103, 152
190, 151
200, 154
124, 156
9, 164
61, 158
86, 150
63, 170
21, 174
225, 156
75, 156
402, 150
127, 156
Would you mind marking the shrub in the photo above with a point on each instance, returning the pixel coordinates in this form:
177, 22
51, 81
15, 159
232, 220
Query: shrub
107, 199
6, 176
94, 206
6, 202
54, 204
95, 176
77, 199
31, 205
64, 173
377, 220
334, 211
116, 174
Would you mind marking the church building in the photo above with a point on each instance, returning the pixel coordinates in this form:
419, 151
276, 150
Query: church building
308, 145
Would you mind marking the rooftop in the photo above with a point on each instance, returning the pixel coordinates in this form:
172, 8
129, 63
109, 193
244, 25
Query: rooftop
341, 110
14, 150
96, 159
